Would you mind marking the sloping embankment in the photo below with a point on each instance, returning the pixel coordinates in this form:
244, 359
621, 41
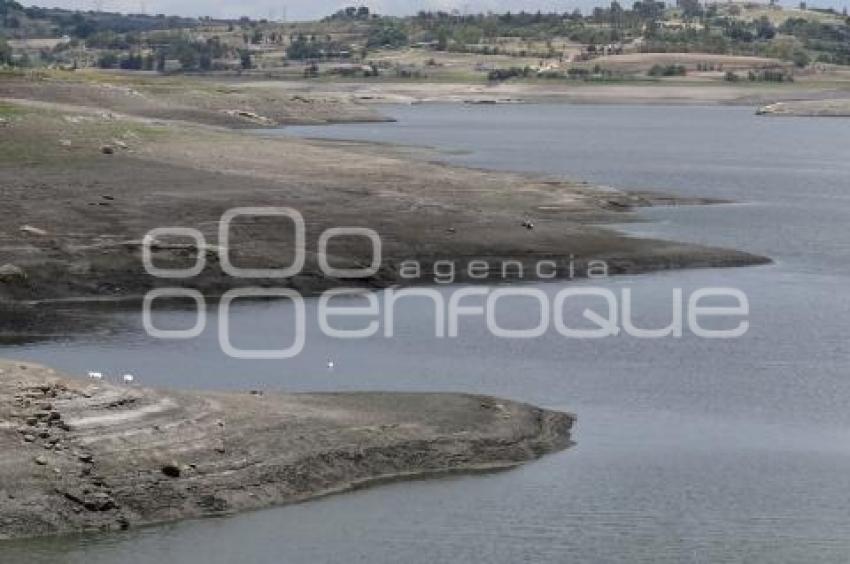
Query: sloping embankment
83, 455
81, 188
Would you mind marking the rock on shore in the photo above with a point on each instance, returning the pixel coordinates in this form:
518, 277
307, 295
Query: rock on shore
89, 455
808, 108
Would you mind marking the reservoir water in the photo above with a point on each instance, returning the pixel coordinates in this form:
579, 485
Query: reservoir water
688, 450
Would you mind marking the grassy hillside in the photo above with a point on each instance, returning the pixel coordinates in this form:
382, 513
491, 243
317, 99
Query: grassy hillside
19, 22
357, 42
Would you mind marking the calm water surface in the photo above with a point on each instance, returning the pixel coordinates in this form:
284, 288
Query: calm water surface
688, 450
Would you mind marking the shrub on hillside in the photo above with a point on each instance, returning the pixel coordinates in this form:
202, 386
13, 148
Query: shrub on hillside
668, 70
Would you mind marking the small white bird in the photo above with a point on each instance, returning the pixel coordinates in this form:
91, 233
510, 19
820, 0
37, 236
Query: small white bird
128, 378
95, 375
330, 365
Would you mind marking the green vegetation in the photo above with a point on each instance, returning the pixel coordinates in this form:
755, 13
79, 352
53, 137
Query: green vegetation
33, 21
689, 27
5, 52
667, 70
770, 75
302, 47
387, 34
8, 13
507, 74
8, 110
156, 50
830, 42
351, 13
140, 42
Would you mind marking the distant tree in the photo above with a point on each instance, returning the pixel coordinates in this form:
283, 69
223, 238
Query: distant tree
352, 13
205, 61
108, 61
305, 48
690, 8
739, 31
616, 14
82, 27
302, 48
668, 70
387, 35
245, 59
649, 10
5, 52
507, 74
187, 56
443, 39
801, 58
765, 29
132, 62
6, 9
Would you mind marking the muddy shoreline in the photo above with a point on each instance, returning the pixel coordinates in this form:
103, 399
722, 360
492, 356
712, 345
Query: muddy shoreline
83, 455
82, 185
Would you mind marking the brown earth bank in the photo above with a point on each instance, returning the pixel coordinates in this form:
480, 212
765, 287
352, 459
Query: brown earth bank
195, 100
81, 186
250, 101
88, 455
692, 90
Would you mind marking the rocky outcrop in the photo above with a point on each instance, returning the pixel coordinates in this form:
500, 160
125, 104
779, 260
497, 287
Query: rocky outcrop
12, 274
89, 455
